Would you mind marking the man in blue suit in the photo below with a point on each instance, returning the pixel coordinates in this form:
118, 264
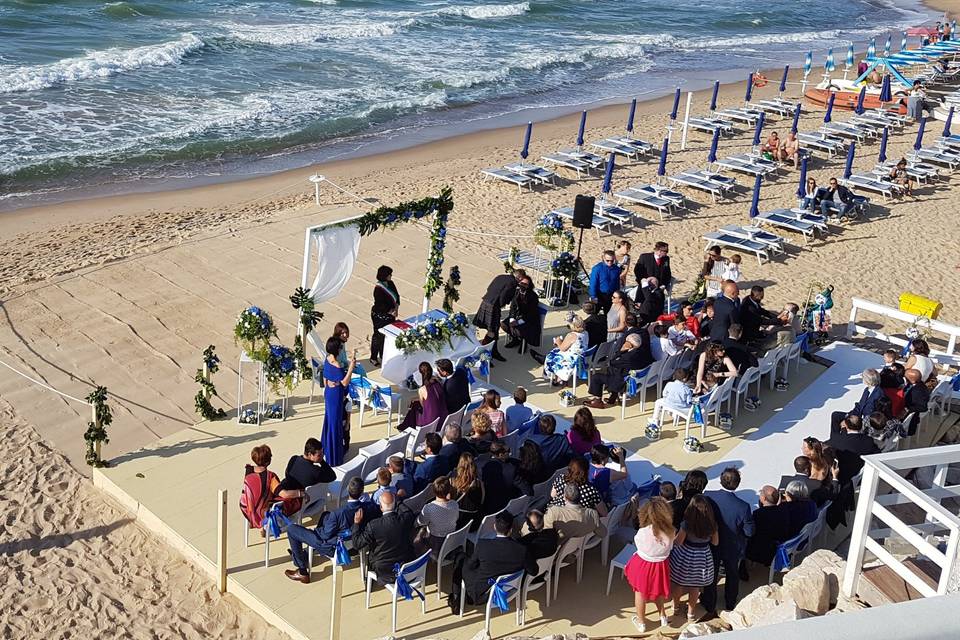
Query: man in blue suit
867, 403
735, 523
433, 465
324, 537
554, 447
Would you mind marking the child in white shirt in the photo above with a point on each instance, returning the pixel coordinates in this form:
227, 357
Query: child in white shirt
677, 394
680, 335
732, 270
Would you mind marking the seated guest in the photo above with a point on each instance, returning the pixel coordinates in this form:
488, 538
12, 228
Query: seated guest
384, 484
400, 480
630, 358
668, 491
755, 320
323, 538
469, 490
706, 317
584, 433
456, 385
491, 558
801, 465
523, 318
594, 324
867, 403
890, 358
388, 540
454, 445
571, 519
916, 398
614, 485
798, 507
688, 316
836, 198
891, 383
813, 450
432, 467
430, 404
811, 201
737, 351
305, 471
577, 475
481, 434
530, 466
661, 346
681, 336
440, 517
554, 447
693, 484
560, 363
882, 429
920, 360
770, 527
260, 487
716, 362
541, 542
490, 405
518, 413
677, 394
851, 444
501, 482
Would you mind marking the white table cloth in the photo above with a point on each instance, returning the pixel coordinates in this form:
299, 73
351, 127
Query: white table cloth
398, 366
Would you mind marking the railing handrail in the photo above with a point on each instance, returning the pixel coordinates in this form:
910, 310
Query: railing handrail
933, 509
858, 304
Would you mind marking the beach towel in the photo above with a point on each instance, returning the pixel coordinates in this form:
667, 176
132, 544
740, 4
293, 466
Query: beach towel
259, 492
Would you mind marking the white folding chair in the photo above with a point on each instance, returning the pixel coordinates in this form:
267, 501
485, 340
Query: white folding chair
570, 547
543, 489
768, 365
646, 378
346, 471
512, 442
545, 571
612, 523
620, 562
453, 542
417, 502
670, 365
677, 414
714, 405
742, 386
791, 353
511, 585
456, 417
415, 575
485, 530
375, 456
417, 437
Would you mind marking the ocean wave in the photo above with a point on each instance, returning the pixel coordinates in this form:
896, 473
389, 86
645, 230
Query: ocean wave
97, 64
294, 34
485, 11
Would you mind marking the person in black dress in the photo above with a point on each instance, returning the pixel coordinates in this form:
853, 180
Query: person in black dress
386, 304
499, 294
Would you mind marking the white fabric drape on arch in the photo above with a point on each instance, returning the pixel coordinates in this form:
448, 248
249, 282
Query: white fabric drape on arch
337, 249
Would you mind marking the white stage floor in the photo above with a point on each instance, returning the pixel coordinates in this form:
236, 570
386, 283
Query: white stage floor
768, 453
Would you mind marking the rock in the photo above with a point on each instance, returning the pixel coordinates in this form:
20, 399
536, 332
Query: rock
845, 604
832, 565
809, 588
699, 629
754, 607
786, 611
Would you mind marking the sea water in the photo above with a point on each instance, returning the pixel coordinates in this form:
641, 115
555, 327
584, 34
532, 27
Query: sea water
155, 91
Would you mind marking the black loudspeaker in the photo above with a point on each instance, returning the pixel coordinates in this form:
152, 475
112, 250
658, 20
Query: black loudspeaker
583, 212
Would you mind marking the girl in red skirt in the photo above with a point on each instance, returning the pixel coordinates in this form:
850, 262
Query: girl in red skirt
648, 570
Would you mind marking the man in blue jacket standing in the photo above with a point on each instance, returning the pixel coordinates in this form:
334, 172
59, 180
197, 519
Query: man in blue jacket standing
735, 524
604, 280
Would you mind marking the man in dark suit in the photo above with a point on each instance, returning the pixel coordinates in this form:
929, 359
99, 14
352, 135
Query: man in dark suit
324, 537
630, 358
735, 524
387, 539
753, 317
595, 324
850, 444
499, 294
653, 300
554, 447
501, 483
655, 264
770, 526
726, 311
801, 464
867, 403
737, 351
491, 558
433, 466
306, 470
454, 444
541, 542
523, 318
456, 385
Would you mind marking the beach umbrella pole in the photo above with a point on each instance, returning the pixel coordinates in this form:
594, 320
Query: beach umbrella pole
686, 120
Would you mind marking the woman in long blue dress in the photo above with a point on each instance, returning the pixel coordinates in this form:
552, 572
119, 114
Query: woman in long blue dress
335, 381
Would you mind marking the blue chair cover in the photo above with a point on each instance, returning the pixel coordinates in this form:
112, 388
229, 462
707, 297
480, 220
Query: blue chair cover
341, 557
499, 594
634, 380
781, 560
470, 377
404, 588
484, 367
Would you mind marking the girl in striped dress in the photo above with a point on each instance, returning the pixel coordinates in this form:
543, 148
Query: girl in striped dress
691, 563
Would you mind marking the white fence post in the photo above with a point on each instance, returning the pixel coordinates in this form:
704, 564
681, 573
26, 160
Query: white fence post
858, 535
222, 541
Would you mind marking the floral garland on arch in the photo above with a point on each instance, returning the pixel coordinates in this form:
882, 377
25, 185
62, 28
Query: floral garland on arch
391, 217
433, 334
450, 292
550, 234
207, 390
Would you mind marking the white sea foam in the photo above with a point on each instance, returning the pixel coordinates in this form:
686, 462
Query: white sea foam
97, 64
323, 1
294, 34
485, 11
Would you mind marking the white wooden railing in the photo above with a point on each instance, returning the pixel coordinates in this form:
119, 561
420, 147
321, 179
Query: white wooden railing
890, 468
951, 332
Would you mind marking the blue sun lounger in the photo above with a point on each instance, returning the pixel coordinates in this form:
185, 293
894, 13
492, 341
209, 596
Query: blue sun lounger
821, 142
709, 125
609, 146
870, 183
646, 199
567, 163
747, 116
773, 242
785, 219
740, 244
591, 159
743, 165
642, 146
688, 179
532, 171
941, 157
599, 224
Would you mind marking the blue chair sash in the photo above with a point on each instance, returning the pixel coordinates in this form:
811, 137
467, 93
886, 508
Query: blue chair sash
781, 560
955, 382
498, 594
697, 414
484, 367
634, 380
276, 520
804, 340
404, 588
471, 379
341, 556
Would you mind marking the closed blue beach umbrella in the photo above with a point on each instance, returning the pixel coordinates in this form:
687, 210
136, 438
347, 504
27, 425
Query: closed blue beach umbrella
633, 112
749, 95
676, 104
858, 109
826, 116
887, 45
802, 189
712, 156
526, 141
783, 80
830, 65
755, 203
872, 49
885, 93
946, 125
918, 143
903, 41
848, 167
608, 176
807, 63
662, 168
583, 125
882, 156
758, 129
713, 98
796, 119
850, 60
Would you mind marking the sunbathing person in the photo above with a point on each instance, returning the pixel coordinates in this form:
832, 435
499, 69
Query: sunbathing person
771, 147
790, 151
898, 175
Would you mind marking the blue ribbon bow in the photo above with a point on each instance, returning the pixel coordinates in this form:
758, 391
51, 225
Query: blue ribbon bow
484, 367
955, 382
906, 349
404, 588
781, 560
632, 386
697, 414
499, 596
276, 520
376, 396
470, 377
341, 556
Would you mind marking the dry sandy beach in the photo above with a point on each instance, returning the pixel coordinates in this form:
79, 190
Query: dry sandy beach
127, 291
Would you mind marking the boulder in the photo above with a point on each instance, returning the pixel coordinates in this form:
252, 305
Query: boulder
832, 565
845, 604
699, 629
809, 588
755, 606
786, 611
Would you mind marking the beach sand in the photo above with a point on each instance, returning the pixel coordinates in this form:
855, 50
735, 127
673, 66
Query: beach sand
126, 292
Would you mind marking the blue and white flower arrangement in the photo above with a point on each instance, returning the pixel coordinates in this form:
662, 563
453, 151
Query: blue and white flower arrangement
248, 416
279, 367
652, 432
564, 266
433, 334
691, 444
550, 234
275, 411
567, 398
253, 331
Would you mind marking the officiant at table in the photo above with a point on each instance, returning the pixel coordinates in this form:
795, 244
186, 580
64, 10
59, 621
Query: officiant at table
386, 304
